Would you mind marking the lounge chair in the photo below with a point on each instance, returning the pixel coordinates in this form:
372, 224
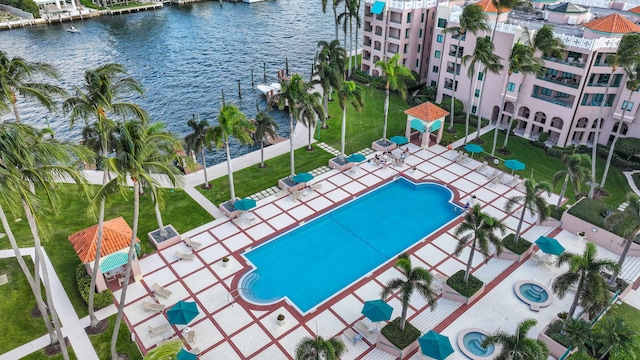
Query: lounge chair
458, 157
159, 290
514, 181
462, 159
183, 256
151, 306
482, 167
493, 175
191, 336
296, 195
190, 243
351, 336
365, 329
354, 170
316, 186
497, 179
159, 330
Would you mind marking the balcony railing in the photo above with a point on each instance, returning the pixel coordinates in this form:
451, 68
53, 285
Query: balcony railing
377, 47
572, 62
599, 84
572, 83
564, 103
379, 32
394, 36
369, 29
456, 54
450, 70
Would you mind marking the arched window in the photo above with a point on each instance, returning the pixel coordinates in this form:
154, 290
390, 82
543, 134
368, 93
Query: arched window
557, 122
524, 112
540, 117
582, 122
624, 129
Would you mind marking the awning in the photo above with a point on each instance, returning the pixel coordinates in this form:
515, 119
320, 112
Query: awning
377, 7
435, 125
422, 126
114, 261
418, 125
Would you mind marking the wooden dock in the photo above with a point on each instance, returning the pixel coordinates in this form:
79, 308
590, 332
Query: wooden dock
152, 6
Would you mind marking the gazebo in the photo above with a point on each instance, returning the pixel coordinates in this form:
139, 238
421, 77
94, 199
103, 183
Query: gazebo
424, 119
114, 252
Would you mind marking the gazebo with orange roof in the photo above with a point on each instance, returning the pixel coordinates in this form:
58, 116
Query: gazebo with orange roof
114, 252
424, 119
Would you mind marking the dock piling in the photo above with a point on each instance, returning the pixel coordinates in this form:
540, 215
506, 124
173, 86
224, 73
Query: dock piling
239, 92
264, 71
286, 65
252, 84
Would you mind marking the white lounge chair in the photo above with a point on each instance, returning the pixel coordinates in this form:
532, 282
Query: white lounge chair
482, 167
191, 336
159, 290
296, 195
183, 256
462, 159
151, 306
316, 186
497, 179
458, 157
159, 330
493, 175
365, 329
514, 181
351, 336
190, 243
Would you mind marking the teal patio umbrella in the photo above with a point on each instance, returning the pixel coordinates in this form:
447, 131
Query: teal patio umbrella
185, 355
302, 177
356, 158
182, 312
399, 140
377, 310
435, 345
549, 245
514, 165
473, 148
244, 204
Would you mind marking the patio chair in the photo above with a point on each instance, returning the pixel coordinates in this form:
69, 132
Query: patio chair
159, 330
462, 159
493, 175
316, 186
159, 290
515, 181
354, 170
458, 157
151, 306
365, 329
183, 256
482, 167
191, 336
296, 195
351, 336
190, 243
497, 179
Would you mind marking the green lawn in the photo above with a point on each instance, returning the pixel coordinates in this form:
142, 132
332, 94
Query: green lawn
627, 312
102, 342
40, 355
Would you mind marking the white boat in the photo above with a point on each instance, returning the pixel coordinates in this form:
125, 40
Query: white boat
267, 89
72, 29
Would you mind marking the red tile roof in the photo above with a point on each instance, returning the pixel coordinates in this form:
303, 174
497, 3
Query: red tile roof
635, 10
613, 24
116, 236
489, 7
427, 111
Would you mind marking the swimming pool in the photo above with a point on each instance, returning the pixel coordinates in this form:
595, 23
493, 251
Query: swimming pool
314, 261
470, 343
533, 293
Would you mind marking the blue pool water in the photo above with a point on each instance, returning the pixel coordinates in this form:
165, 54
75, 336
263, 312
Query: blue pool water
315, 261
534, 293
472, 342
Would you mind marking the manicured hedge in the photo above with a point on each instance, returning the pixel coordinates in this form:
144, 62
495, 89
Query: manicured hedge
519, 248
471, 287
401, 339
101, 299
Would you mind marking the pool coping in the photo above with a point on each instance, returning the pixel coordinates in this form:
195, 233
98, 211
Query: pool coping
534, 306
470, 355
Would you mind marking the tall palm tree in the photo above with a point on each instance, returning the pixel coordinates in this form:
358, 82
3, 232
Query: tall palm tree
349, 94
329, 66
472, 20
417, 279
573, 171
486, 61
265, 125
231, 122
99, 97
518, 346
197, 142
143, 151
544, 41
291, 93
478, 228
16, 79
626, 224
627, 56
579, 334
355, 15
617, 339
584, 270
633, 83
318, 348
395, 76
523, 61
334, 5
164, 351
531, 200
310, 108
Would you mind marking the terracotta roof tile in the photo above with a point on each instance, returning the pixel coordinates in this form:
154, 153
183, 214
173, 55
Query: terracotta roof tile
116, 236
612, 24
635, 10
427, 111
488, 6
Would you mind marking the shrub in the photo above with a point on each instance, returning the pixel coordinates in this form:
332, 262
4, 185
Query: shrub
25, 5
519, 248
83, 280
555, 332
401, 339
361, 77
458, 107
580, 356
543, 137
471, 287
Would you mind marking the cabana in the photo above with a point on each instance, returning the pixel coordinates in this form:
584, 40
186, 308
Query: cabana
423, 120
114, 252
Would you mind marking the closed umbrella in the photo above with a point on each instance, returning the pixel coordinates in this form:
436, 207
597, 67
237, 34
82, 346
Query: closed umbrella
182, 312
302, 177
399, 140
244, 204
435, 345
377, 310
549, 245
514, 165
473, 148
185, 355
356, 158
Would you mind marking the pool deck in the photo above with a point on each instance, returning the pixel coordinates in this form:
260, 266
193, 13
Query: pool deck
230, 328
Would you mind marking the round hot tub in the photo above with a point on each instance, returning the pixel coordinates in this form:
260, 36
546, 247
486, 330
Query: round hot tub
533, 294
470, 343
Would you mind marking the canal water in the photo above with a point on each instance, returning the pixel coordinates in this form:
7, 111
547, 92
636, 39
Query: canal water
183, 55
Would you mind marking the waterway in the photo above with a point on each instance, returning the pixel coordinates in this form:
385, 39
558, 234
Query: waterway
183, 55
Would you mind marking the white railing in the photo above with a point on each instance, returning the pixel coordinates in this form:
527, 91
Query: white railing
407, 4
605, 4
588, 44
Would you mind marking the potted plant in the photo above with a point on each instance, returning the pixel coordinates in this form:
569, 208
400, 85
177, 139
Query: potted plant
281, 320
582, 235
225, 261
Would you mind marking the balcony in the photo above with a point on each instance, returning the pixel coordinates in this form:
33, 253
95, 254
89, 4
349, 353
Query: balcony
570, 82
450, 70
456, 53
579, 62
379, 32
377, 47
565, 102
369, 29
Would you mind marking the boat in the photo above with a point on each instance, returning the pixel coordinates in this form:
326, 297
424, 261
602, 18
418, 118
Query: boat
268, 89
72, 29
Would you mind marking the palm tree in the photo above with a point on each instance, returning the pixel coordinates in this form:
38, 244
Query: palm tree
16, 76
354, 6
291, 93
231, 122
626, 57
265, 125
482, 56
584, 270
518, 346
523, 61
579, 334
626, 224
310, 108
532, 201
633, 83
165, 351
100, 96
335, 4
617, 339
197, 142
472, 20
329, 65
319, 349
545, 41
349, 94
395, 76
143, 151
572, 171
479, 228
417, 279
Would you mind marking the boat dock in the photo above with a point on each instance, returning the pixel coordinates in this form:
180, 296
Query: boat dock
152, 6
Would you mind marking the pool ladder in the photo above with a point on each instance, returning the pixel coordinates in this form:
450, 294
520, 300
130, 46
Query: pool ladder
233, 294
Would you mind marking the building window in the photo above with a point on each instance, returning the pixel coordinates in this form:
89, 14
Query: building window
406, 33
627, 105
404, 62
420, 34
511, 86
439, 38
610, 99
437, 54
418, 48
585, 98
596, 99
545, 91
562, 95
422, 17
442, 23
480, 76
474, 109
435, 69
477, 93
434, 84
617, 79
417, 63
405, 48
408, 18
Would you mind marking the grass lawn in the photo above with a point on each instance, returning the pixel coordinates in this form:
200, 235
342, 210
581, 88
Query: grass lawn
102, 342
40, 355
627, 312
